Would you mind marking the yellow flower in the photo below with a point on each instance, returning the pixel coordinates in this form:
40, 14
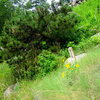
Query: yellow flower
67, 65
77, 65
63, 74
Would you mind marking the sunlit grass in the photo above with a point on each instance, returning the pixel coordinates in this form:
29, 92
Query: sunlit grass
90, 17
6, 78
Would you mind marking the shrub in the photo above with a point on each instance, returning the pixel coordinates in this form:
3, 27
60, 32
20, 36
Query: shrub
23, 38
47, 62
89, 24
27, 33
62, 27
24, 66
64, 53
90, 42
86, 43
96, 39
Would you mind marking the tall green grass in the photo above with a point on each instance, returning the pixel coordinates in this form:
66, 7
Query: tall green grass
80, 84
6, 78
90, 15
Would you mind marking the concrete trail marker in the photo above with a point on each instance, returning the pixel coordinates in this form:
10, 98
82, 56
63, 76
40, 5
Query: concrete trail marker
72, 54
72, 57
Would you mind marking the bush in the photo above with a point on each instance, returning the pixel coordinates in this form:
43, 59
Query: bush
62, 27
24, 66
47, 62
90, 42
86, 43
64, 53
89, 24
27, 33
96, 39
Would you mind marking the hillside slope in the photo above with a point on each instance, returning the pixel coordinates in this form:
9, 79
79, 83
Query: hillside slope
82, 83
90, 16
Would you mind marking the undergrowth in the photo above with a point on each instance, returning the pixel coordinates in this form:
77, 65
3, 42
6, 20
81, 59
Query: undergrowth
80, 84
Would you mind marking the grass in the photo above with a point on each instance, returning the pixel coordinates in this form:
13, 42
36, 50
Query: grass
89, 13
6, 78
80, 84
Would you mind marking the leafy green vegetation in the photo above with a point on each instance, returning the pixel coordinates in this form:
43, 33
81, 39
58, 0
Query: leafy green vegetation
86, 43
47, 62
90, 18
82, 83
34, 41
6, 9
6, 78
28, 33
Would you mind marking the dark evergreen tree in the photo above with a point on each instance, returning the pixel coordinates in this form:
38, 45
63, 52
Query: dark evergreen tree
6, 8
28, 32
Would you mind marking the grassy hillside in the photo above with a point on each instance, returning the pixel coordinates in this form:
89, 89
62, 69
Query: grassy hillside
80, 84
89, 13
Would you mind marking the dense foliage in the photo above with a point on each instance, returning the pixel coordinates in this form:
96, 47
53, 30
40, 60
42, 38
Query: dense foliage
90, 17
47, 62
34, 34
6, 9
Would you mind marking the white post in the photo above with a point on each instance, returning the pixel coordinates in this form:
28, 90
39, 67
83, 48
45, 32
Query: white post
71, 52
73, 2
